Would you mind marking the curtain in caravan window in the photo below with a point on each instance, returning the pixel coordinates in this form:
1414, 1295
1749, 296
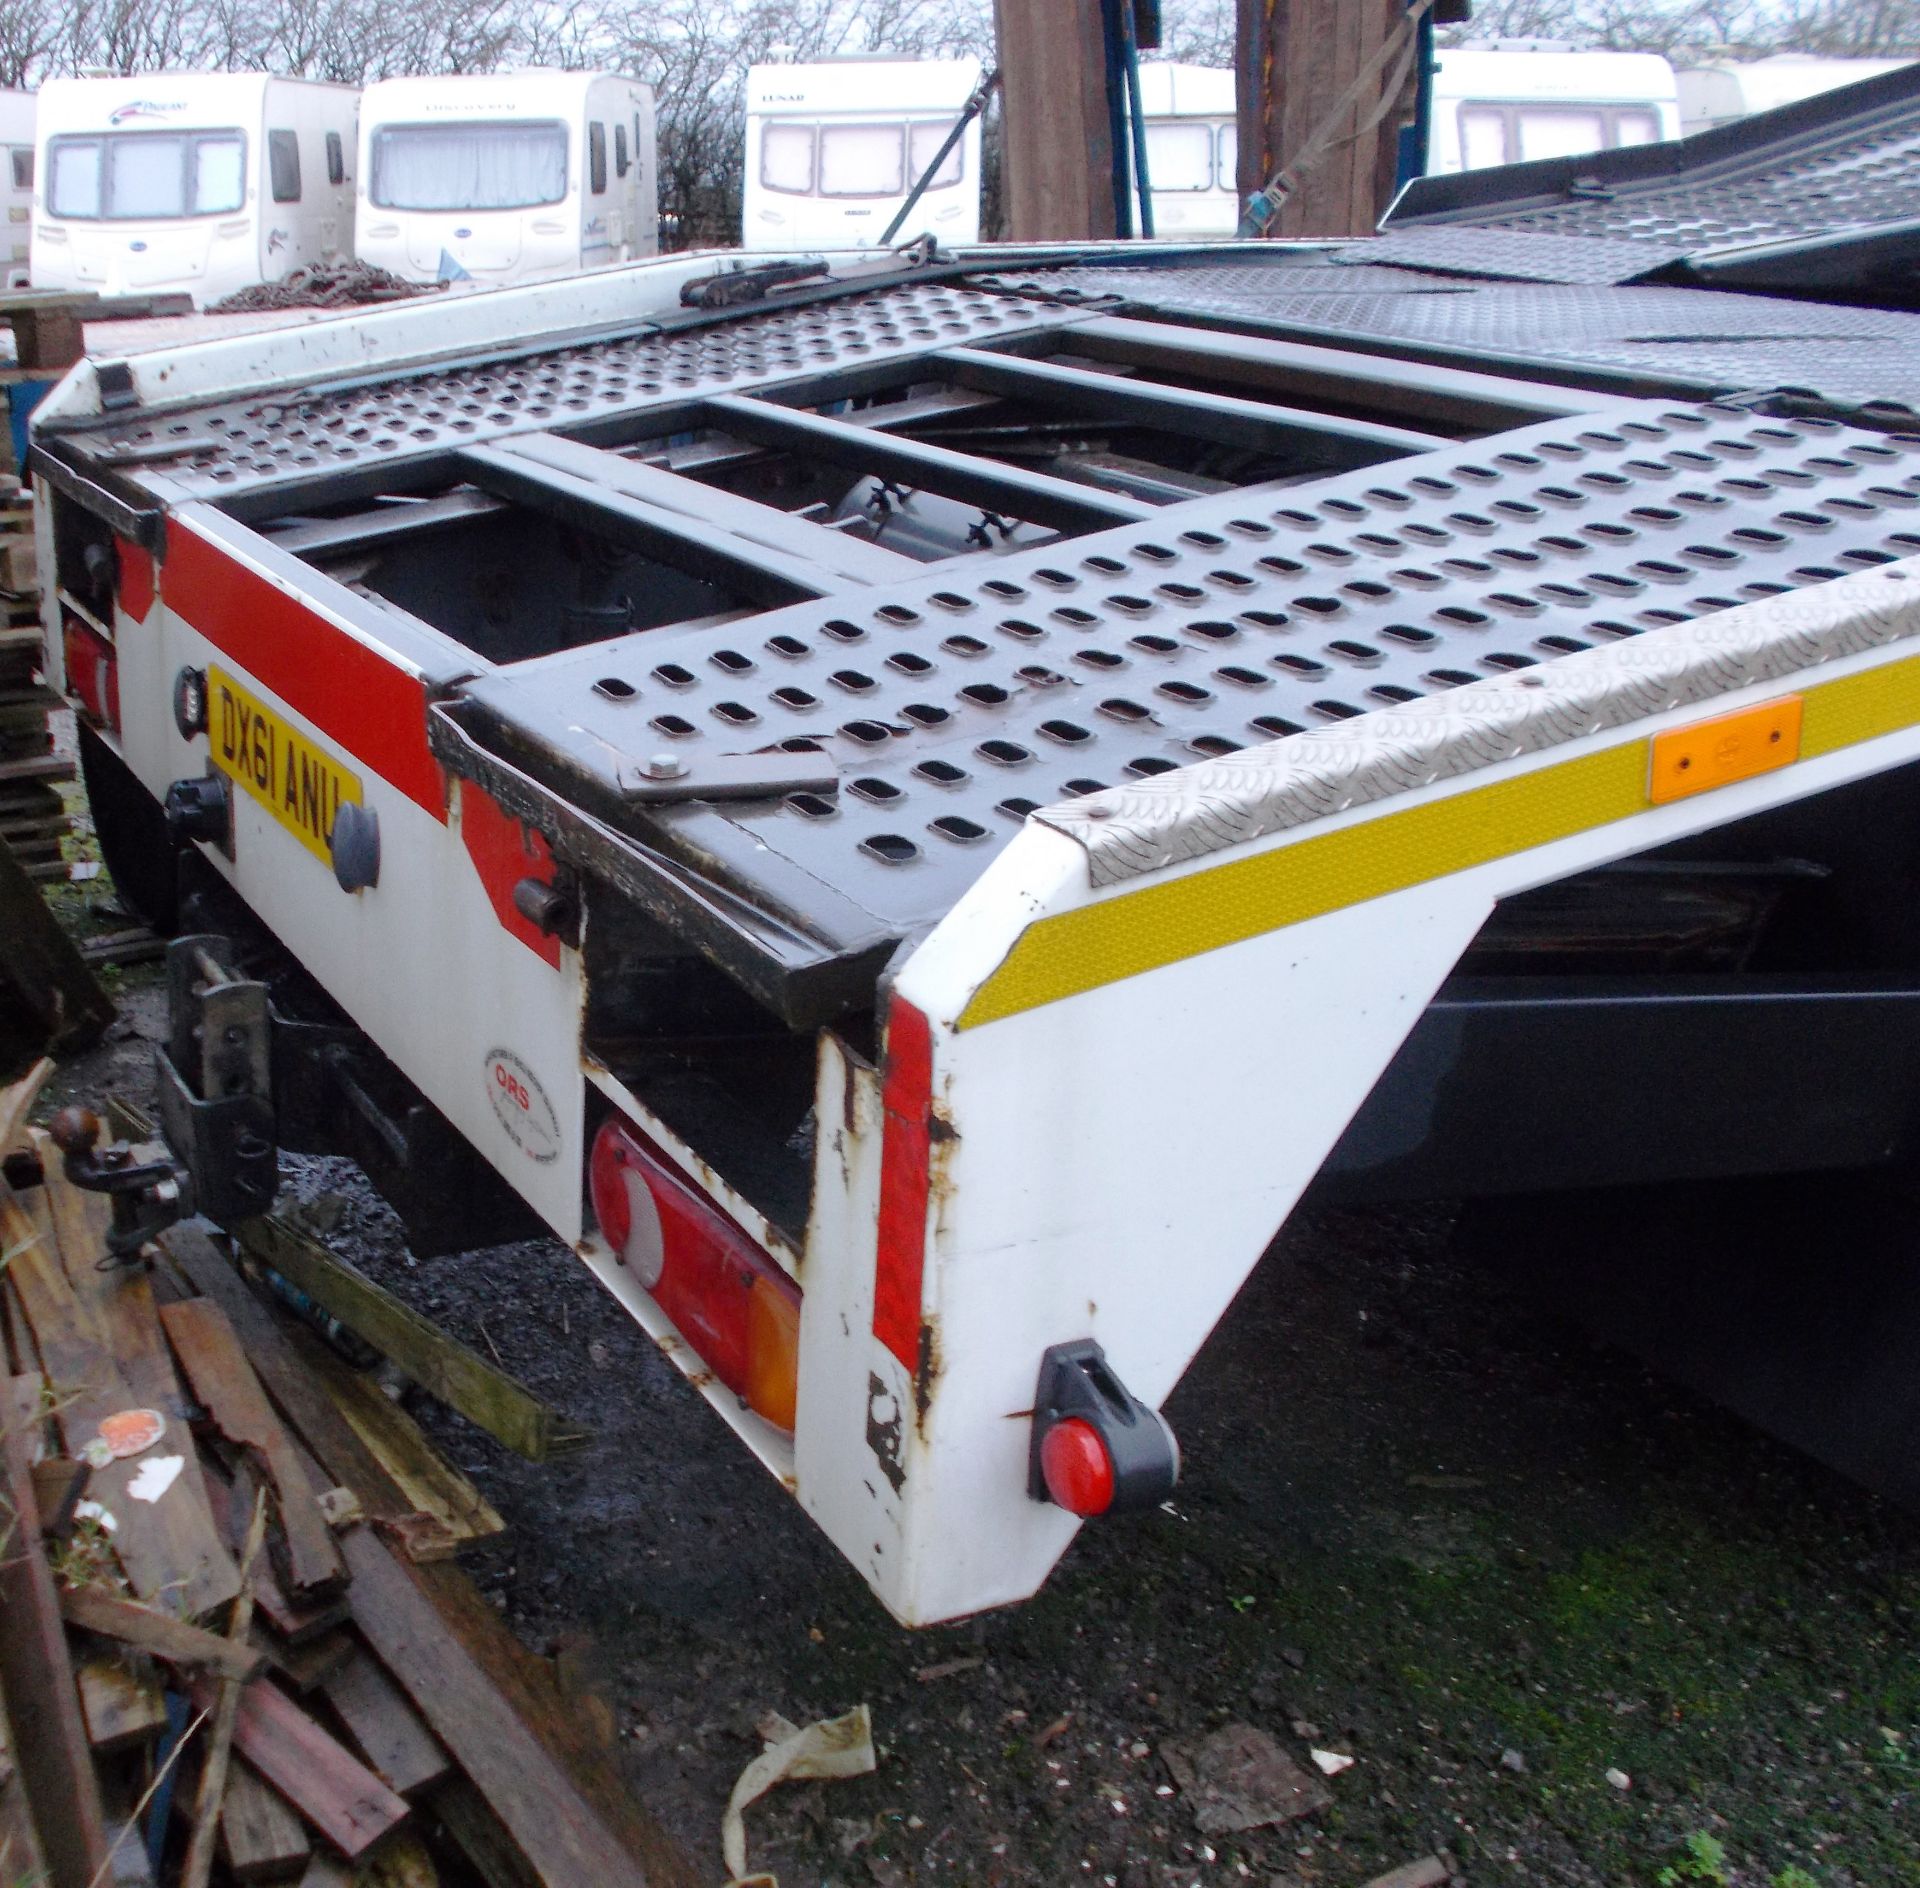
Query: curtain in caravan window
468, 167
219, 176
1635, 127
146, 177
1559, 132
786, 158
924, 140
1180, 157
1483, 136
73, 177
862, 160
1228, 175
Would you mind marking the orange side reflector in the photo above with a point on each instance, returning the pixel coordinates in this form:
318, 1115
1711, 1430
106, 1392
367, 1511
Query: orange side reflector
1731, 747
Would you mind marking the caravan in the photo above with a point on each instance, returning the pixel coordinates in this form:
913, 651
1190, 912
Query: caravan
1510, 101
509, 178
833, 150
1192, 148
203, 182
1729, 89
16, 158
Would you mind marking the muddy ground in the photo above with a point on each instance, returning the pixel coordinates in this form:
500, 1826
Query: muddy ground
1423, 1524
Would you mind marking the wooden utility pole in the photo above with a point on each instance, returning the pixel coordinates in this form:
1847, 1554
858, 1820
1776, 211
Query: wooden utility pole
1058, 137
1298, 60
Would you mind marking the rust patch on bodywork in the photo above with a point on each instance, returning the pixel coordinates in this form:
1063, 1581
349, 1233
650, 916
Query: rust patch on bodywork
886, 1431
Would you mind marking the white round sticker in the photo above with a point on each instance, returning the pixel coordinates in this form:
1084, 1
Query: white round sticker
522, 1106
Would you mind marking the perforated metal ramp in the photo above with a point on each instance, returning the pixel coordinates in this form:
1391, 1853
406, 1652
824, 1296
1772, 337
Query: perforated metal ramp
221, 449
1648, 340
1820, 197
951, 707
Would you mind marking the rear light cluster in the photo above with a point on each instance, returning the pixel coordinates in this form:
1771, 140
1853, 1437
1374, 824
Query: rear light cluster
1097, 1449
93, 673
736, 1309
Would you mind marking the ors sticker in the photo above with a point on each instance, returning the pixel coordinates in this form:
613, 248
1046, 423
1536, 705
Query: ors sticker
522, 1105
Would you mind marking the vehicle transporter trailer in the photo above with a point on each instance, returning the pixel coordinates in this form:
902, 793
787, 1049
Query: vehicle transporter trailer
910, 822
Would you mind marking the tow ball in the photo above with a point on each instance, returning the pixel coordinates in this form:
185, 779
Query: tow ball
1097, 1449
147, 1195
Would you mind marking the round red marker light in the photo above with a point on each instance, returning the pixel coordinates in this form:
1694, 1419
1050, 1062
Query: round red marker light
1076, 1467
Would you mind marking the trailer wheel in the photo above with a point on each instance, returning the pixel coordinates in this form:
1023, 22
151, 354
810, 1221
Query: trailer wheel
132, 831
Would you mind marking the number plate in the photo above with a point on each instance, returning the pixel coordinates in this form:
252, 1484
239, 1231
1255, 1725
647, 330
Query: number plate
299, 784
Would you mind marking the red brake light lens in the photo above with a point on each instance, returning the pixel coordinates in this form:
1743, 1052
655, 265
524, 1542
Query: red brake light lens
93, 673
736, 1309
1076, 1467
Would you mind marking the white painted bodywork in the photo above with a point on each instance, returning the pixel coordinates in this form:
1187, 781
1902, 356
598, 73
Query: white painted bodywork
1118, 1158
1727, 90
131, 237
1192, 148
1505, 105
16, 183
832, 151
492, 178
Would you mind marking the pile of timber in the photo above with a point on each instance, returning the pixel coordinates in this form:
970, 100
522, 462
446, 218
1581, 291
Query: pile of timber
33, 819
234, 1645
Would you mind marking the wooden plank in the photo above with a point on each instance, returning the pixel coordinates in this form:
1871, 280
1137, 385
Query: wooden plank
58, 1484
20, 1857
120, 1300
388, 1732
224, 1381
564, 1839
442, 1366
122, 1707
305, 1667
330, 1787
261, 1839
180, 1644
46, 1732
177, 1566
294, 1620
41, 965
47, 767
299, 1396
430, 1482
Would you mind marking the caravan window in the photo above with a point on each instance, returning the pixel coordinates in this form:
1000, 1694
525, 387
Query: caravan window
468, 166
620, 164
23, 167
1180, 157
283, 163
597, 157
126, 175
786, 158
1229, 172
862, 160
925, 139
1635, 127
1556, 131
336, 159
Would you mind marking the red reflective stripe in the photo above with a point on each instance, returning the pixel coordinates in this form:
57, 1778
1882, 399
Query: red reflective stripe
136, 579
906, 1097
368, 705
504, 851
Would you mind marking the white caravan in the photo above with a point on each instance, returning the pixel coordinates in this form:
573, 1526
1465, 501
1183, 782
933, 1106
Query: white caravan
1510, 101
1717, 94
1193, 145
16, 175
833, 149
202, 182
512, 177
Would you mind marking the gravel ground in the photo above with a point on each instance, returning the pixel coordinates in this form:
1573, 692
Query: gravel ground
1573, 1625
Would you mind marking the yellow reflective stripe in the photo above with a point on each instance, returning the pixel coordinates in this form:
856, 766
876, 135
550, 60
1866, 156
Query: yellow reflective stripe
1141, 930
